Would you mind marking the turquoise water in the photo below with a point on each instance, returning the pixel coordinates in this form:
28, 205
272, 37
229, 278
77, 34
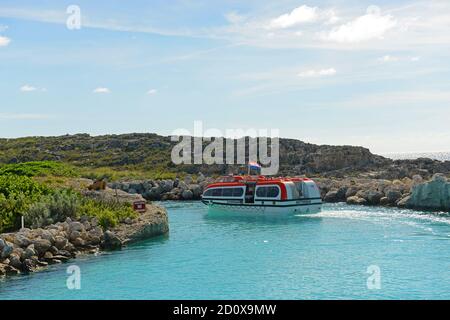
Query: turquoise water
322, 256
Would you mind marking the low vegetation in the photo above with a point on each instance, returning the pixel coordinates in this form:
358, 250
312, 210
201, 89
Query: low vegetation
38, 191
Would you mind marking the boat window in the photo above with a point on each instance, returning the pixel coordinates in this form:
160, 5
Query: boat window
228, 192
261, 192
299, 187
272, 192
208, 193
238, 192
267, 192
217, 192
295, 191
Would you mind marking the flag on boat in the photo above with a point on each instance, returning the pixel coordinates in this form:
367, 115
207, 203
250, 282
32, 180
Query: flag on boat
254, 165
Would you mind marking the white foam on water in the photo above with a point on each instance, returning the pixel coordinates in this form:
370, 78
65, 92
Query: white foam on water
384, 216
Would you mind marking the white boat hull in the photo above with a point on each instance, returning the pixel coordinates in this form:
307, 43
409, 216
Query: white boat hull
258, 209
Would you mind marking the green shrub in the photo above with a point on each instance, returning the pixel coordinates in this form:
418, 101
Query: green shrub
17, 193
11, 208
108, 213
39, 168
52, 208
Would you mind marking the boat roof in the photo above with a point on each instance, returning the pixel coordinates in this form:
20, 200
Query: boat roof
233, 181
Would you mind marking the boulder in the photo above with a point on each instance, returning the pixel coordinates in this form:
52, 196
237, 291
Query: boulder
111, 241
41, 246
434, 194
356, 200
384, 201
331, 196
7, 250
7, 270
76, 226
78, 242
22, 241
14, 261
60, 242
196, 190
393, 195
187, 195
403, 203
373, 197
29, 252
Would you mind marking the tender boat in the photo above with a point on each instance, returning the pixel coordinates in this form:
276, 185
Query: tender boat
262, 195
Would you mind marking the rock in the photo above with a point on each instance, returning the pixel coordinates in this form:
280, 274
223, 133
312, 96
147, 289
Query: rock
403, 203
356, 200
78, 242
29, 252
76, 226
60, 242
111, 241
187, 195
440, 177
87, 225
331, 196
384, 201
2, 244
7, 270
7, 250
47, 235
60, 258
166, 185
74, 235
29, 265
22, 241
182, 185
18, 252
393, 195
69, 247
48, 255
196, 190
54, 250
14, 261
417, 179
41, 246
200, 178
373, 197
434, 194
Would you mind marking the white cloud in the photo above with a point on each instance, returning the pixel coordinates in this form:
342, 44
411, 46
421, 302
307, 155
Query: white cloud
101, 90
302, 14
152, 92
4, 41
317, 73
27, 88
388, 58
234, 17
372, 25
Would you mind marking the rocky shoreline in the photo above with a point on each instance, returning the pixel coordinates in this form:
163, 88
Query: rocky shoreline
407, 192
31, 250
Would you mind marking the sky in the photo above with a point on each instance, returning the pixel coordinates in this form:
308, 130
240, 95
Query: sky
368, 73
